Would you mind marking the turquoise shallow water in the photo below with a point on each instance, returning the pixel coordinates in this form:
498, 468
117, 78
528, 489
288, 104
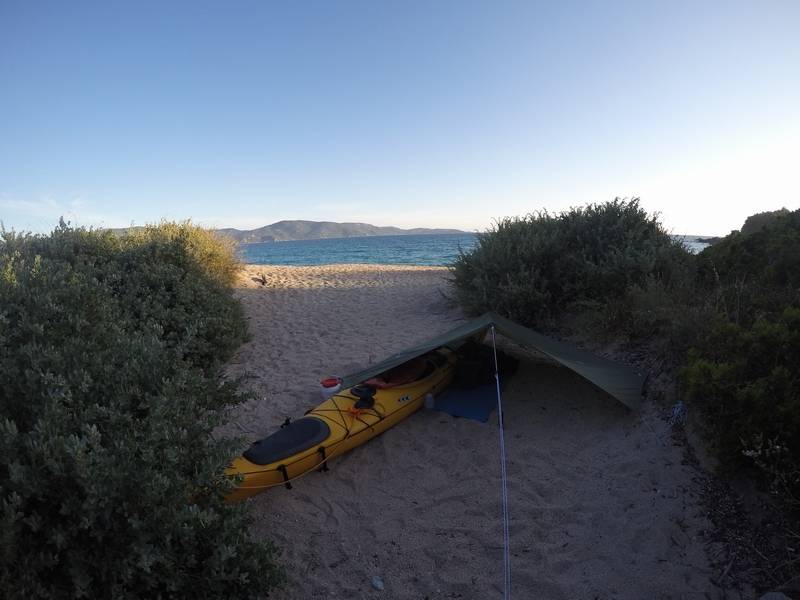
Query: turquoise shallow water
433, 250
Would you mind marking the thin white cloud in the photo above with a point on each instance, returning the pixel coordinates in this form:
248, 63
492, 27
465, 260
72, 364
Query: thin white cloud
341, 207
42, 214
43, 208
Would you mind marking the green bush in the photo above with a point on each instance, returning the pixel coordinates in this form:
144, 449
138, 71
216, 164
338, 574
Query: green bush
743, 374
538, 268
757, 274
759, 221
183, 289
666, 316
111, 484
744, 380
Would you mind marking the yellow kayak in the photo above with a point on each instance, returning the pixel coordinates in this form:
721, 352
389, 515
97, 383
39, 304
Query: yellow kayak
339, 424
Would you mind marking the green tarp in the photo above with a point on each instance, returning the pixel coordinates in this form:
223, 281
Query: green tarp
620, 381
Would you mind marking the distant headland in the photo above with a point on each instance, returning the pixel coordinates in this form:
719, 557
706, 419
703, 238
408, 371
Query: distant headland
285, 231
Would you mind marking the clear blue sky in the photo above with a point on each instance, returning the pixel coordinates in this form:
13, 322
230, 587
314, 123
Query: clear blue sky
395, 113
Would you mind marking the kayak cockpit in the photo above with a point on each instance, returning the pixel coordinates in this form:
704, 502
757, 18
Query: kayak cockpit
292, 438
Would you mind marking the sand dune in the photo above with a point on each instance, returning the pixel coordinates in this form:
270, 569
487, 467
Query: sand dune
601, 505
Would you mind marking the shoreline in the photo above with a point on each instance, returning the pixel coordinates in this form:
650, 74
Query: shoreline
340, 275
246, 267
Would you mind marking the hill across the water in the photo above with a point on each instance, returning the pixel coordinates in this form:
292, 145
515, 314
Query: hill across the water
284, 231
287, 231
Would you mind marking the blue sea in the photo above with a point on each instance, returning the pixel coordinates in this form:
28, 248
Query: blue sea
384, 249
426, 250
692, 242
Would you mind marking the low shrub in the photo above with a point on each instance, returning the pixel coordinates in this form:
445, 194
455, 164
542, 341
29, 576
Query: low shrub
743, 375
744, 380
667, 317
759, 221
757, 274
177, 277
111, 484
538, 268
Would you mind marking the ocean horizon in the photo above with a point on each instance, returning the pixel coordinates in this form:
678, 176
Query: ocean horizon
417, 250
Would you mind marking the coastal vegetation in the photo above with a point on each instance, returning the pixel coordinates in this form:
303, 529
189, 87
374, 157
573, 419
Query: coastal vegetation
612, 265
726, 321
111, 484
759, 221
742, 371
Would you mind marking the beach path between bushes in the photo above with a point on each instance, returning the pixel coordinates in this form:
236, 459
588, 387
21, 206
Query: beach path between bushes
601, 504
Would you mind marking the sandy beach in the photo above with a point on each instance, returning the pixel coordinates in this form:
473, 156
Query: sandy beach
601, 503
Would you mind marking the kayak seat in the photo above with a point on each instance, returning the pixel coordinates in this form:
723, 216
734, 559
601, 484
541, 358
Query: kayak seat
290, 439
413, 370
437, 357
430, 367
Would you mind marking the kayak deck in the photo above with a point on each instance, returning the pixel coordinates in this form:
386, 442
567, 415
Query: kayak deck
337, 425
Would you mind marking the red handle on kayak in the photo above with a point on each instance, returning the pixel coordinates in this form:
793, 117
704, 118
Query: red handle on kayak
330, 382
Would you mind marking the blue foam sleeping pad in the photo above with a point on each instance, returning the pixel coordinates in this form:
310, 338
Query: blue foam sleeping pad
475, 403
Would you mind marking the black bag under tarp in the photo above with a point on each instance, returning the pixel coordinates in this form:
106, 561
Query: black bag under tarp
475, 366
